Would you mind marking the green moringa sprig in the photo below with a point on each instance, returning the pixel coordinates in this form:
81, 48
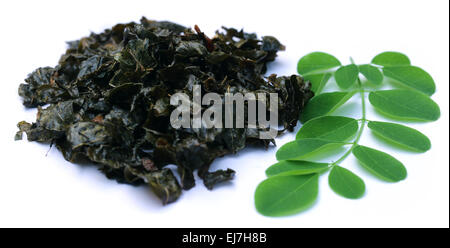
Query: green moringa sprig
292, 183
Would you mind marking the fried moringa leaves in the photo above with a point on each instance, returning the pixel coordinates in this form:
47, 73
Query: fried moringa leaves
109, 101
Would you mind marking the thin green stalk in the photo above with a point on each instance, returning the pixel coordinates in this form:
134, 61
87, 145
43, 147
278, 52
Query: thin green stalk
361, 128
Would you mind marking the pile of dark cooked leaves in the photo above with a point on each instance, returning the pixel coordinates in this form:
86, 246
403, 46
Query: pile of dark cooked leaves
107, 101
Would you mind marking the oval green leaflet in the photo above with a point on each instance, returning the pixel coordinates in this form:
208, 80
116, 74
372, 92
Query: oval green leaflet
407, 104
371, 73
287, 167
333, 128
413, 77
318, 81
324, 104
346, 183
299, 149
380, 164
346, 76
402, 135
391, 59
316, 61
286, 195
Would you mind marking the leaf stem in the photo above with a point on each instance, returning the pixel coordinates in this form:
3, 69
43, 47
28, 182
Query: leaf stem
361, 128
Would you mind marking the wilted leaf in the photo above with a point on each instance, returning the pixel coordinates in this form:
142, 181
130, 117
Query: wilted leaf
109, 101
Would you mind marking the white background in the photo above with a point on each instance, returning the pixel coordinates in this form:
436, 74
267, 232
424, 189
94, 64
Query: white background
46, 191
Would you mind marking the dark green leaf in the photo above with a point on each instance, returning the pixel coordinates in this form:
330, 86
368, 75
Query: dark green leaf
286, 167
406, 104
324, 104
333, 128
346, 183
380, 164
190, 48
391, 59
413, 77
316, 61
402, 135
346, 76
372, 74
286, 195
110, 101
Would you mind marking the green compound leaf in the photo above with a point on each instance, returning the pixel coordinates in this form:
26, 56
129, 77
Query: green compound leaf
286, 195
292, 185
391, 59
346, 183
413, 77
333, 128
407, 104
299, 149
318, 81
286, 167
316, 61
402, 135
371, 73
346, 76
324, 104
380, 164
